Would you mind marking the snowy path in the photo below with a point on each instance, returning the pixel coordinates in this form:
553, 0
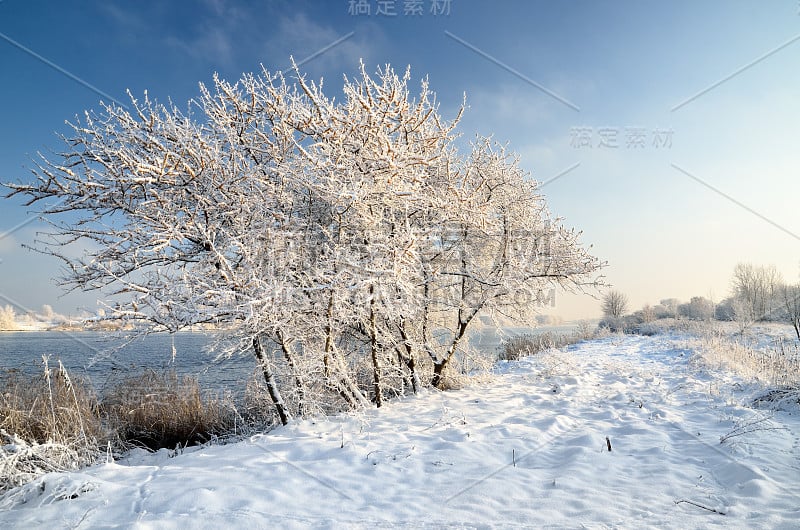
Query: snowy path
529, 450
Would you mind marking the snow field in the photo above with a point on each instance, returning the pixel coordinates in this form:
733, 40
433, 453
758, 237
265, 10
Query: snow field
527, 450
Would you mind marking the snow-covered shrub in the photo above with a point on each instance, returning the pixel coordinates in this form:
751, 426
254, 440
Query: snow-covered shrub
584, 331
667, 308
22, 461
698, 308
469, 366
659, 326
520, 346
673, 325
617, 324
329, 237
786, 398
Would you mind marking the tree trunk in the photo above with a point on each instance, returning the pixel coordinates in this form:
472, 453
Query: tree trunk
335, 371
440, 365
289, 356
438, 368
269, 379
375, 349
426, 332
409, 359
416, 384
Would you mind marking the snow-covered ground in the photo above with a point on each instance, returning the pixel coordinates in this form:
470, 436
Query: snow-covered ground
527, 450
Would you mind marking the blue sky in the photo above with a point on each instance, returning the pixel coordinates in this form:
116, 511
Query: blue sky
671, 189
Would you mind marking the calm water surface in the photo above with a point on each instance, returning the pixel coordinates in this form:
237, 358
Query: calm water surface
95, 355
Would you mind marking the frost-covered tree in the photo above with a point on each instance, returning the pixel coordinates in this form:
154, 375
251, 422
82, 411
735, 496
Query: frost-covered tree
502, 254
724, 310
667, 308
790, 294
648, 313
757, 290
47, 312
8, 318
615, 304
698, 308
385, 203
336, 241
743, 315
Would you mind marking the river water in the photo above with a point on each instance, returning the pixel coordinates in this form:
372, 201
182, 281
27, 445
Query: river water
98, 356
103, 358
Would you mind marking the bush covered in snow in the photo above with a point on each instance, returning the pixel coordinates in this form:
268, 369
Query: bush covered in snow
525, 345
23, 460
323, 235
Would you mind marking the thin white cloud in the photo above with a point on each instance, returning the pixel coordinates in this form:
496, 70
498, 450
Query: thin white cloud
211, 43
223, 34
300, 36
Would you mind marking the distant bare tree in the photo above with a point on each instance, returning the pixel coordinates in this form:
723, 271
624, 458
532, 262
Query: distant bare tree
757, 287
615, 304
791, 301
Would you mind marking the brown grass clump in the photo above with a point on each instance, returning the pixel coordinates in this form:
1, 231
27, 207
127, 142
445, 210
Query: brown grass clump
48, 407
52, 422
525, 345
161, 409
48, 422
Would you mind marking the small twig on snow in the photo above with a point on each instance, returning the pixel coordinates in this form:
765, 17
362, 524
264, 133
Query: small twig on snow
700, 506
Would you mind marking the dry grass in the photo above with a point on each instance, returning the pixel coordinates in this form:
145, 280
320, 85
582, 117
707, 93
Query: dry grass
528, 344
161, 409
52, 422
48, 422
776, 366
48, 407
